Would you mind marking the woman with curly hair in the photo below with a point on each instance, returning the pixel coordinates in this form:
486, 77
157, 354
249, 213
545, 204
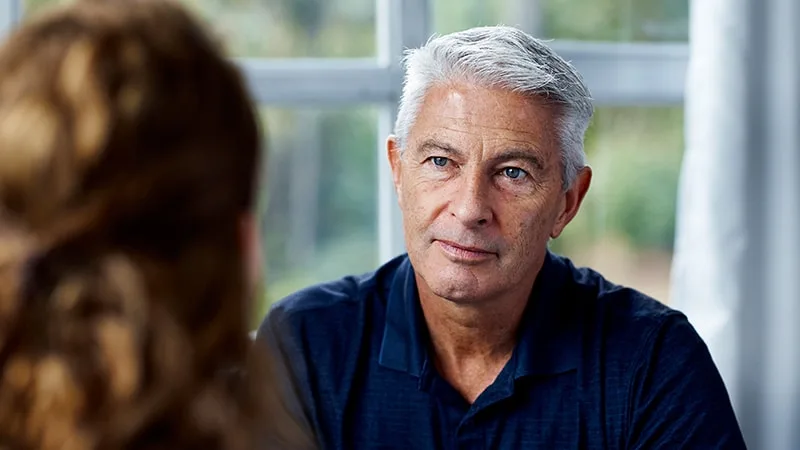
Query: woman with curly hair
129, 152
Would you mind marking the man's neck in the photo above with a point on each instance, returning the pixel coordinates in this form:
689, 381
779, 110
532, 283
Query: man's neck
472, 343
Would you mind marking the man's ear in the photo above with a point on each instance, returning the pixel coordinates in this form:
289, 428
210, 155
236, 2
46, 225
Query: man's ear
571, 201
393, 153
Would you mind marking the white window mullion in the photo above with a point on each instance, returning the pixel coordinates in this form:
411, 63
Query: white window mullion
526, 15
390, 220
617, 73
401, 24
625, 74
390, 49
319, 81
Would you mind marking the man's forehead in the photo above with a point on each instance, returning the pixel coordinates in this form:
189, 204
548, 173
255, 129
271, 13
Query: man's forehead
458, 112
465, 100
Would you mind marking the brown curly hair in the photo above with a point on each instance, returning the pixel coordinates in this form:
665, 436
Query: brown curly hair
128, 157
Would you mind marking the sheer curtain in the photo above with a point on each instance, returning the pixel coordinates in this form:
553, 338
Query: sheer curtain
736, 270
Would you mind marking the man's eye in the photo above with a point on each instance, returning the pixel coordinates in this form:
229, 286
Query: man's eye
439, 161
514, 173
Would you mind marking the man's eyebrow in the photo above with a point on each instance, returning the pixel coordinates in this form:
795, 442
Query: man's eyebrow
433, 145
519, 154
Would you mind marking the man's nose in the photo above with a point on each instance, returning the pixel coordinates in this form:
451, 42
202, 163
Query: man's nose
471, 204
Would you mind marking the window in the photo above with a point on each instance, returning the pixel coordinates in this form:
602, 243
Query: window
319, 206
626, 226
327, 74
292, 28
282, 28
596, 20
615, 20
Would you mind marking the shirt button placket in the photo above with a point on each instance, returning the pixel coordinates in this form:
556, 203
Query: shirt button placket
469, 436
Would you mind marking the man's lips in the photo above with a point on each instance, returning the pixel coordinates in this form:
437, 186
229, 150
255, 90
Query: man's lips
463, 253
465, 247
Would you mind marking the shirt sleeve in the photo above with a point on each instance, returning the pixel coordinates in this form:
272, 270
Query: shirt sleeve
677, 396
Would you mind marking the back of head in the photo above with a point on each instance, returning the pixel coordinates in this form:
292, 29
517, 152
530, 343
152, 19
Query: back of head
505, 58
128, 151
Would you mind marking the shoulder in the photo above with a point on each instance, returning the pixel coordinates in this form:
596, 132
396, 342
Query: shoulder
621, 306
324, 298
330, 308
655, 366
630, 324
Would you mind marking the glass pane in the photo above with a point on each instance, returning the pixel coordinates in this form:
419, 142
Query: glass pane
455, 15
596, 20
283, 28
616, 20
626, 226
319, 204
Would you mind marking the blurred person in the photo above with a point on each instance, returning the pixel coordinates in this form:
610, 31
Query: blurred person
129, 152
480, 337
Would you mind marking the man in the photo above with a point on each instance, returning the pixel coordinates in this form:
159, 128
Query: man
479, 337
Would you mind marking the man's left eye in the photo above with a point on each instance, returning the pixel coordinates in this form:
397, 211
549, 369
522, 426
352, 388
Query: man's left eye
514, 173
439, 161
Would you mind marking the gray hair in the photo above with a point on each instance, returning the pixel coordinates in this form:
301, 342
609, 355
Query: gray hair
507, 58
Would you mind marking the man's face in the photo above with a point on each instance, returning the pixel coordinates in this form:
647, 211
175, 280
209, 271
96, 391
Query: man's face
480, 186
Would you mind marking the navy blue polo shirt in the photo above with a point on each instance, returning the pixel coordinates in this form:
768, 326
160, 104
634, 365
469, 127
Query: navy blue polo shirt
596, 366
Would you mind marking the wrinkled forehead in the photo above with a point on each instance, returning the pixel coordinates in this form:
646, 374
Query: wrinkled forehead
488, 120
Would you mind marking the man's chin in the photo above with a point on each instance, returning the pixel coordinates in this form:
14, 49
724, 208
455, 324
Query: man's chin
457, 282
459, 289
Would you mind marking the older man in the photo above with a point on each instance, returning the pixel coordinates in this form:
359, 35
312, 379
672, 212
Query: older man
479, 337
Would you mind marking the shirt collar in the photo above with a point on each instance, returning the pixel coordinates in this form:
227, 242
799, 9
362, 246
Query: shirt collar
548, 335
404, 345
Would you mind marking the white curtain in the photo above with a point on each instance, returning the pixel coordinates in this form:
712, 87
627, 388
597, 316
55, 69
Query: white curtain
736, 270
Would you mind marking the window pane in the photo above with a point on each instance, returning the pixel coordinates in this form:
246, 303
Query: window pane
626, 226
284, 28
597, 20
615, 20
319, 204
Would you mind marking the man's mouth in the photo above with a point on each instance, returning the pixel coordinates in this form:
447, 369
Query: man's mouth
464, 253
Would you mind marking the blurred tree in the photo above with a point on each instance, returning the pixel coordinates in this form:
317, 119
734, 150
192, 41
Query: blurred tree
616, 20
307, 15
644, 209
635, 154
599, 20
348, 183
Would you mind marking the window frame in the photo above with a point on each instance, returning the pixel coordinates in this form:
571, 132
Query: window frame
618, 74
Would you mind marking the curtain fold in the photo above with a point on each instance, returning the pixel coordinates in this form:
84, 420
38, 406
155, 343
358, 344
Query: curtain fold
736, 269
